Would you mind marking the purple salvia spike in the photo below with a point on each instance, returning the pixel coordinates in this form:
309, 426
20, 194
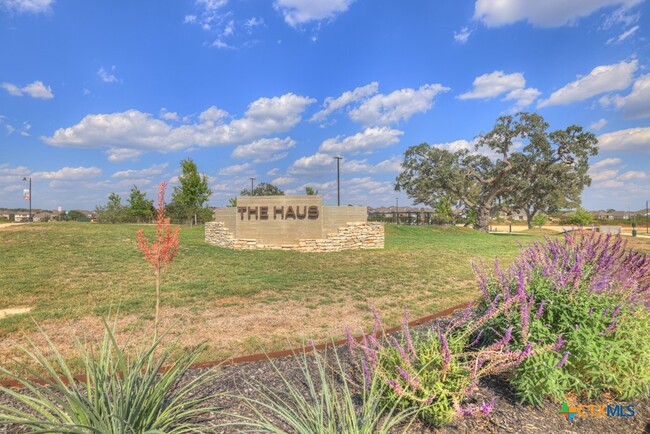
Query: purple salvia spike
591, 311
559, 342
540, 310
486, 407
562, 362
407, 333
609, 329
444, 349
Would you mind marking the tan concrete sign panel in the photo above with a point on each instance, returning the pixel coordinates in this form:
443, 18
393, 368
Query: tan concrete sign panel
278, 219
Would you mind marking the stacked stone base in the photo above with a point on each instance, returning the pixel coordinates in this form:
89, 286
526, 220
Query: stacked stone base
354, 236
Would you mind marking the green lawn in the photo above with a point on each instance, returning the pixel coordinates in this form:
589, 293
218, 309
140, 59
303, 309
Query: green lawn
70, 273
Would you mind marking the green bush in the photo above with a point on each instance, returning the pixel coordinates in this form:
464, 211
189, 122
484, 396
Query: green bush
593, 293
540, 220
119, 394
581, 217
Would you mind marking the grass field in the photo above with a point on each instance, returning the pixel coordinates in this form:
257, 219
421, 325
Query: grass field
239, 302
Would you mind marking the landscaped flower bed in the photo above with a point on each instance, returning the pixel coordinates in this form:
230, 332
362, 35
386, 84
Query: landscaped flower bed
567, 322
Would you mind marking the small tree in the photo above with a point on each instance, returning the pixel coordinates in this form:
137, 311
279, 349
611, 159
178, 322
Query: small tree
193, 191
581, 217
141, 209
163, 248
540, 220
113, 211
232, 202
310, 191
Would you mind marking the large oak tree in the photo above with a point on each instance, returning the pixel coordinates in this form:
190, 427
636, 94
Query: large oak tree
518, 163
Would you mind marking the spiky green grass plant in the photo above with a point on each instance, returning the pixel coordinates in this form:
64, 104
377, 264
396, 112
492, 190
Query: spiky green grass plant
119, 394
327, 401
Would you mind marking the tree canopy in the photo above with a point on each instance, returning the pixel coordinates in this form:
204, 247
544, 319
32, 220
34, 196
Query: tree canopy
262, 189
142, 210
518, 164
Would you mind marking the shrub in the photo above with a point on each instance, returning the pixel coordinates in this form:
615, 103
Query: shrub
332, 404
595, 294
540, 220
581, 217
438, 371
118, 394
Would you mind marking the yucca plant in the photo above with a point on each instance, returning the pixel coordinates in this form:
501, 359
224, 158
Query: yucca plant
119, 394
327, 401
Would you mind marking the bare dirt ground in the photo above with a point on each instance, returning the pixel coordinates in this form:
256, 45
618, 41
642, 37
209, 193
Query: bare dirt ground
4, 313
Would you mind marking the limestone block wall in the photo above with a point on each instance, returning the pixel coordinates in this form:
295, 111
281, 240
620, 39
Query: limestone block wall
352, 236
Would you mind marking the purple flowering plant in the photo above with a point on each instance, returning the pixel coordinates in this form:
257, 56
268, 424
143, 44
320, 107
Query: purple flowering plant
591, 291
438, 370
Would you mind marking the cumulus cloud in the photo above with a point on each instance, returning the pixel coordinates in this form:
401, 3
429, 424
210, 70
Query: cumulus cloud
142, 132
117, 155
108, 76
235, 169
607, 162
552, 13
396, 106
598, 125
601, 79
156, 169
283, 180
297, 12
265, 150
631, 139
367, 141
497, 83
69, 174
346, 98
28, 6
462, 36
36, 90
636, 104
169, 116
320, 163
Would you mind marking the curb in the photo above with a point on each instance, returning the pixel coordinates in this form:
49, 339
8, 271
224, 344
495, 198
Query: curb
14, 384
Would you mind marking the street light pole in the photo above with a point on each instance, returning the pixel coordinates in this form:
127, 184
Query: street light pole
252, 179
28, 178
338, 181
647, 217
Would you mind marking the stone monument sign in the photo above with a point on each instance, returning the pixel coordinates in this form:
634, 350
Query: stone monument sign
293, 223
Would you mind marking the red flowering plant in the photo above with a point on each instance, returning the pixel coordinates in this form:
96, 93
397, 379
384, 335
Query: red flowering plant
163, 248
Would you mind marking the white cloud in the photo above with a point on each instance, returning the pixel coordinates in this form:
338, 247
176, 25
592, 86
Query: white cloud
494, 84
283, 180
396, 106
602, 175
636, 104
265, 150
235, 169
550, 13
108, 77
156, 169
607, 162
631, 139
298, 12
189, 19
218, 43
169, 116
69, 174
36, 90
497, 83
367, 141
331, 104
320, 163
598, 125
623, 36
117, 155
273, 172
28, 6
601, 79
462, 36
141, 131
632, 174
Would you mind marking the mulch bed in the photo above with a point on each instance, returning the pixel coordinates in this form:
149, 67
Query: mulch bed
508, 415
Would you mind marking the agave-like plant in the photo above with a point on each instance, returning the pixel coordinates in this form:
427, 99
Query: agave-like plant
118, 395
327, 401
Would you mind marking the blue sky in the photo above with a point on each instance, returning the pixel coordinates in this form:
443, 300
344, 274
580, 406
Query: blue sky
97, 96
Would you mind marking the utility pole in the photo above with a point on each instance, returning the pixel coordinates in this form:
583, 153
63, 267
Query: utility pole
338, 181
252, 179
28, 178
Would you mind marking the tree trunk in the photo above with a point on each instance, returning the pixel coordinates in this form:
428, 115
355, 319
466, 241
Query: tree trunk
482, 219
529, 218
195, 218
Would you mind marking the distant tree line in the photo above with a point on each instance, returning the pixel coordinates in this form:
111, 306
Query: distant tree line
186, 207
